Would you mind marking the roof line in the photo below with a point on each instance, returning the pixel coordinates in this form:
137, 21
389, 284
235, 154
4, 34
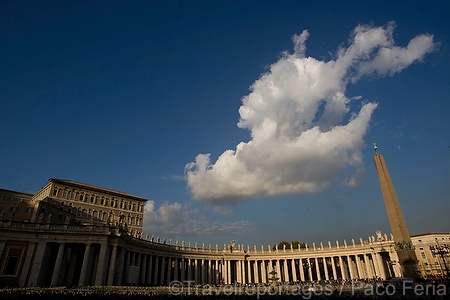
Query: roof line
96, 188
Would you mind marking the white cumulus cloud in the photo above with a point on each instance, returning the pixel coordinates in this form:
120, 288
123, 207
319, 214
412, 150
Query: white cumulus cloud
303, 134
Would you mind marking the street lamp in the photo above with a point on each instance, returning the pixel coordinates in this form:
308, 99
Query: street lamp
441, 250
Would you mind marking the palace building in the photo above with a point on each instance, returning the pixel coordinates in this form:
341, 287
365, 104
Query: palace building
75, 234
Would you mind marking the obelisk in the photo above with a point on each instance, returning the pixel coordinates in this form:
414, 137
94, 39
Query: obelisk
403, 245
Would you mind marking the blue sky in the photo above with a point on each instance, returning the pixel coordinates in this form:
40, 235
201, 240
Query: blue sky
133, 96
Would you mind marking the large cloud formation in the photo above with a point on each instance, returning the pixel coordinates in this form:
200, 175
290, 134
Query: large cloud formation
296, 112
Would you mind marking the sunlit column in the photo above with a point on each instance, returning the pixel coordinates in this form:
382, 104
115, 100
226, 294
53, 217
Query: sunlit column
58, 263
350, 267
333, 266
216, 272
381, 266
278, 268
239, 271
343, 269
203, 269
369, 266
310, 266
256, 271
359, 267
316, 260
286, 270
302, 271
263, 272
210, 271
325, 268
228, 271
196, 279
249, 271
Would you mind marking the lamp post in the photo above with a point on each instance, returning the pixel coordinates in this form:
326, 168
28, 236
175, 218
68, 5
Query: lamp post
441, 250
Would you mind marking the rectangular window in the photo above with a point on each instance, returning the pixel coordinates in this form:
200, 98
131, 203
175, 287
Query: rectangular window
11, 265
81, 197
28, 210
54, 192
423, 255
92, 199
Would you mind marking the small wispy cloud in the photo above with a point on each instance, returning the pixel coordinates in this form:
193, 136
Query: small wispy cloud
175, 219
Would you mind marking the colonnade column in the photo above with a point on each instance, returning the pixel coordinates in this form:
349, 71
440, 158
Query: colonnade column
155, 278
294, 272
169, 270
120, 267
58, 263
302, 271
286, 271
176, 267
163, 263
316, 261
101, 266
216, 272
204, 270
333, 266
149, 269
343, 270
278, 269
263, 271
310, 270
380, 264
249, 271
359, 267
143, 268
350, 267
228, 264
239, 271
112, 266
84, 265
182, 270
256, 271
325, 268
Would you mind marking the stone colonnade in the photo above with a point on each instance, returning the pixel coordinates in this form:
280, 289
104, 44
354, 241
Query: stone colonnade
61, 255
